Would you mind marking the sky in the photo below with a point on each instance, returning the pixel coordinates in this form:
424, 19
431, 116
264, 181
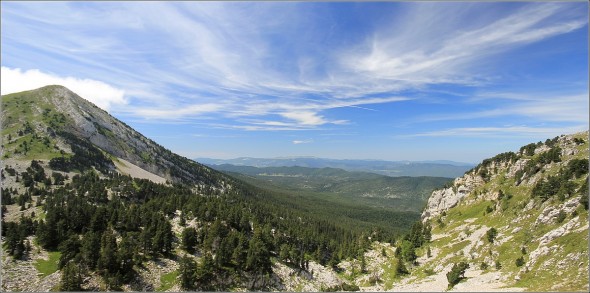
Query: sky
348, 80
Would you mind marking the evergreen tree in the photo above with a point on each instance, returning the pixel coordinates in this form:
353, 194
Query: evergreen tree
189, 239
457, 273
239, 253
205, 273
188, 271
69, 250
108, 262
126, 257
71, 279
90, 249
258, 257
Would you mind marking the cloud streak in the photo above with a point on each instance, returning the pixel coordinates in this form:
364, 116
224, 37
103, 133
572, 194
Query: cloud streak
501, 132
302, 141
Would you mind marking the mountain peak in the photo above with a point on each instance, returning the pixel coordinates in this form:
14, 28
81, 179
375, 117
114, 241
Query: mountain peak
52, 114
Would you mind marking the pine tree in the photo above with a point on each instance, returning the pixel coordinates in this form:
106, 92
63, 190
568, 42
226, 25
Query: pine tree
71, 280
69, 249
457, 273
188, 271
189, 239
205, 273
239, 253
90, 249
107, 262
126, 256
258, 257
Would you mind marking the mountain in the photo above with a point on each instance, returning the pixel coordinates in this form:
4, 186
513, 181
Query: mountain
45, 122
519, 220
367, 189
88, 203
447, 169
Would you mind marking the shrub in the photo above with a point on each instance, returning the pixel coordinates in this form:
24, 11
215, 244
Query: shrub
491, 234
579, 141
497, 264
483, 266
560, 217
519, 261
457, 273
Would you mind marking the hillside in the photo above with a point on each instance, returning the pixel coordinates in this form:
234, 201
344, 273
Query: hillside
389, 168
44, 123
363, 188
519, 220
90, 204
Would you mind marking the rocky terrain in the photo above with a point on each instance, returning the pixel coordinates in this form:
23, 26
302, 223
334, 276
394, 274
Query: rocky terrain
547, 228
519, 219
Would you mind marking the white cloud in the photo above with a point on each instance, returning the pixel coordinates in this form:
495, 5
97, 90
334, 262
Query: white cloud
222, 60
188, 111
302, 141
553, 107
305, 118
417, 54
501, 132
101, 94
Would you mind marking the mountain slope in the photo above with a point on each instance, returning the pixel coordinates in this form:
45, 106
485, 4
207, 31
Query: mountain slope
518, 219
45, 122
70, 221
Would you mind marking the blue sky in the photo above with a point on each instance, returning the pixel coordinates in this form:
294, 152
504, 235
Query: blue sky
393, 80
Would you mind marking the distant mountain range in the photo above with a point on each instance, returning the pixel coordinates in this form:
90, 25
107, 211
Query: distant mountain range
448, 169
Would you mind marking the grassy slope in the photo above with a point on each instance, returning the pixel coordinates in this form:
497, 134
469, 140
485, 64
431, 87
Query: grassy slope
17, 110
508, 216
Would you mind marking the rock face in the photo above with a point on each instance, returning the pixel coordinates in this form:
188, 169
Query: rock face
446, 198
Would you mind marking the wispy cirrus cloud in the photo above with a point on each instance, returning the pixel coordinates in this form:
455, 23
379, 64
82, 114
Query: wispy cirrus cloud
421, 55
538, 107
271, 66
501, 132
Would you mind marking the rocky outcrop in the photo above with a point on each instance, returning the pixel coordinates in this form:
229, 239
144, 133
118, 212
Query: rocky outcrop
446, 198
550, 213
517, 166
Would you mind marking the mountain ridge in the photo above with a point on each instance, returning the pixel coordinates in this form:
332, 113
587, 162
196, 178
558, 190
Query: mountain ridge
88, 122
442, 168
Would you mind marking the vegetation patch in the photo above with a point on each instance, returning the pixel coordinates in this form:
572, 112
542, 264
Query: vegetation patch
49, 266
167, 281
